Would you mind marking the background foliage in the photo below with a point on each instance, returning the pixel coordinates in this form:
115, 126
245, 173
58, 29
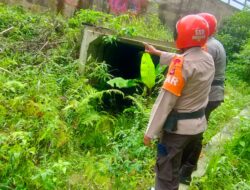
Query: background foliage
234, 32
229, 168
57, 131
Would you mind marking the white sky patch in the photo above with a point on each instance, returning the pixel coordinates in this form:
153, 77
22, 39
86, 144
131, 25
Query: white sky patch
237, 3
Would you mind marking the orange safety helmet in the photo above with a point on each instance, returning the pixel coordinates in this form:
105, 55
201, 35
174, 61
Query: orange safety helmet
191, 31
212, 22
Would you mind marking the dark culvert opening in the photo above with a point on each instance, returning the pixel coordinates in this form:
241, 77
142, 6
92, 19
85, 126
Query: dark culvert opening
124, 60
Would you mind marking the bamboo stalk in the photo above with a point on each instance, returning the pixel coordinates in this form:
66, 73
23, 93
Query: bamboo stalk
1, 33
5, 70
43, 46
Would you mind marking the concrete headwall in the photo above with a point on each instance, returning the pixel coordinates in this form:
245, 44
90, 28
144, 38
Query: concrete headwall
171, 10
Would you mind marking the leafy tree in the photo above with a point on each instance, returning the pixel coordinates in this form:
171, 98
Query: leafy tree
235, 31
241, 63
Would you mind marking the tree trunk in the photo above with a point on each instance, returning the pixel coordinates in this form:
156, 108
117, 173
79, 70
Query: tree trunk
60, 6
84, 4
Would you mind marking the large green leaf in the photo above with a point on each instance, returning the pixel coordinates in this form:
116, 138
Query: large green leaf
147, 71
120, 82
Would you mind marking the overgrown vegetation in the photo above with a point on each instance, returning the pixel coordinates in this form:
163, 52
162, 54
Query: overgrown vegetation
149, 26
57, 131
234, 102
229, 169
234, 32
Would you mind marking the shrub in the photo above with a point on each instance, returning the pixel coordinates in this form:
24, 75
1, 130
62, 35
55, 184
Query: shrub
241, 64
234, 32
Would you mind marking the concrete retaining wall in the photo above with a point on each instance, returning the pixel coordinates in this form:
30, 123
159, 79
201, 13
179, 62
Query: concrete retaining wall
171, 10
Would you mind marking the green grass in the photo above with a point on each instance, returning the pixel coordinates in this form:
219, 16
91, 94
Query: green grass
62, 130
56, 130
236, 98
229, 168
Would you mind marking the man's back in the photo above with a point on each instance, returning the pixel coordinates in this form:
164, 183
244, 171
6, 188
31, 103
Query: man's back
198, 69
216, 49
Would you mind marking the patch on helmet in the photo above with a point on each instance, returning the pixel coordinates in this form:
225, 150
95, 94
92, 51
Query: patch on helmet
199, 34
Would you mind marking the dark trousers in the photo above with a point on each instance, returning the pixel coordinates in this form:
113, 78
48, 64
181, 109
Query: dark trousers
211, 106
192, 152
170, 150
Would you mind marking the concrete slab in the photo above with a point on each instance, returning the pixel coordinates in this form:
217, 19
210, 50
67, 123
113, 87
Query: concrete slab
183, 187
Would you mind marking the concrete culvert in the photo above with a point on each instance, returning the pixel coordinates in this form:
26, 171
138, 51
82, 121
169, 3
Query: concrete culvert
123, 58
122, 55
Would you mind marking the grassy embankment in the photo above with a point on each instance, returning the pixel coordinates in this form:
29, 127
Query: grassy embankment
55, 130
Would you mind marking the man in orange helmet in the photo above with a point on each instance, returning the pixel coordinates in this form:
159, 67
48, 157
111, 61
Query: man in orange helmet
216, 96
178, 115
